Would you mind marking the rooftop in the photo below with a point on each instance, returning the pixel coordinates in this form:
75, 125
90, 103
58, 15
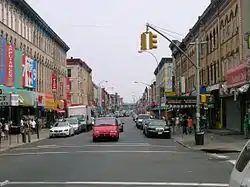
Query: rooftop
31, 13
78, 61
162, 62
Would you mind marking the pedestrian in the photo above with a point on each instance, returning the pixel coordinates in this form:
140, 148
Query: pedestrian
184, 125
6, 129
190, 125
33, 126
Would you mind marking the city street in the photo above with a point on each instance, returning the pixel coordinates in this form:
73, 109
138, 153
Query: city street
134, 161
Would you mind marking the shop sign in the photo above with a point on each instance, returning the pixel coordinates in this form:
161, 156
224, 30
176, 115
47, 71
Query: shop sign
28, 97
18, 82
214, 87
4, 99
10, 65
54, 82
27, 72
40, 99
61, 88
49, 102
14, 100
236, 76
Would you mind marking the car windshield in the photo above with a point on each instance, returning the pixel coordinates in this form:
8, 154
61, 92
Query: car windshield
72, 120
105, 122
157, 123
144, 117
61, 124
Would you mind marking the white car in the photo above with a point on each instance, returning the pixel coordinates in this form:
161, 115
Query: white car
240, 176
62, 128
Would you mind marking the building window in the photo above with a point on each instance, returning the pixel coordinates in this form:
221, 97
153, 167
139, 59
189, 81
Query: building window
5, 13
69, 72
1, 11
9, 18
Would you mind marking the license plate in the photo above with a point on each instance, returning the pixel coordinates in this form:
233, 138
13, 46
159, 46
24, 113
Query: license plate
159, 132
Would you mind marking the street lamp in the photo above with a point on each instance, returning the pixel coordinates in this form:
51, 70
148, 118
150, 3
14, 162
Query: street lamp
157, 85
100, 93
138, 82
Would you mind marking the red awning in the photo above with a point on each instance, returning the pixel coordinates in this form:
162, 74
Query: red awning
59, 110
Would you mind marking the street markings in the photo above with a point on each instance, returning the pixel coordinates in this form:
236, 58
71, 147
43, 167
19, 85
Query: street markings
118, 183
77, 152
95, 145
218, 156
4, 183
232, 161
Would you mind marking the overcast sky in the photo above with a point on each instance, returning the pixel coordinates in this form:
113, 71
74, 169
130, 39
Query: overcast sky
106, 34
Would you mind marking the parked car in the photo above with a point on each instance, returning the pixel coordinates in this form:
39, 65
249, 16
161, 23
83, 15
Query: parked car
157, 128
141, 118
62, 128
105, 128
241, 172
75, 124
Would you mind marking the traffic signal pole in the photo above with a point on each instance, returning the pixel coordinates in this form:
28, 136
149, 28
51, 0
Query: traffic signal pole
199, 135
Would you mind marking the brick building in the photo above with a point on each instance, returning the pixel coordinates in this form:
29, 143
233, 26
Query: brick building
224, 25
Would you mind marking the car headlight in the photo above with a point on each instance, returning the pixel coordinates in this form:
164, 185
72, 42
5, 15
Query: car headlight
113, 131
167, 128
66, 129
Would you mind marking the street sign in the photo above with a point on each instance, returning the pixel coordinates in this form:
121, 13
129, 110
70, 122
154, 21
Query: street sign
4, 99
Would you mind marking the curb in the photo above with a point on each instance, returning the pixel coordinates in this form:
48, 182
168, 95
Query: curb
212, 150
21, 144
186, 146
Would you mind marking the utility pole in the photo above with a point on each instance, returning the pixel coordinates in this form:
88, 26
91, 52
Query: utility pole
199, 135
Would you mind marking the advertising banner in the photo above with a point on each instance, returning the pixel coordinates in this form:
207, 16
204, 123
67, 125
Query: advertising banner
61, 88
54, 82
2, 61
27, 72
10, 65
34, 75
68, 96
18, 82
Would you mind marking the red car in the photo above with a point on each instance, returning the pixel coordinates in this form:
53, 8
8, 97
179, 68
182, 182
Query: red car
105, 128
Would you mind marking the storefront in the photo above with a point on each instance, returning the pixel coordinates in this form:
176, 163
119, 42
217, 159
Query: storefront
235, 102
27, 98
214, 109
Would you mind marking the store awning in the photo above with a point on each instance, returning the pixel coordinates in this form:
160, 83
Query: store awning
58, 110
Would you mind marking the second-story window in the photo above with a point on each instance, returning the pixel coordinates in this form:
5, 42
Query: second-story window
69, 72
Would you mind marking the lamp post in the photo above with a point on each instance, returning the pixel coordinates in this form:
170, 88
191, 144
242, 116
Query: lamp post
158, 85
100, 94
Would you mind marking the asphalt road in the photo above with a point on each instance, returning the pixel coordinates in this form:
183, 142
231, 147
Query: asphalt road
133, 161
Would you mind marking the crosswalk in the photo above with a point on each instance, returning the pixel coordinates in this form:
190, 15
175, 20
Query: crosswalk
223, 158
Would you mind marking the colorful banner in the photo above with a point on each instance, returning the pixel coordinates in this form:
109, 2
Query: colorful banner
28, 97
27, 72
2, 61
54, 82
34, 77
68, 96
10, 65
18, 82
61, 88
49, 102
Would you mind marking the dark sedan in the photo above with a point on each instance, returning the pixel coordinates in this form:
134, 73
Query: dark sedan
157, 128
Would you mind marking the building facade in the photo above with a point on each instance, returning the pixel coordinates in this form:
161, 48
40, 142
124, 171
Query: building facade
224, 26
80, 75
163, 79
95, 94
36, 58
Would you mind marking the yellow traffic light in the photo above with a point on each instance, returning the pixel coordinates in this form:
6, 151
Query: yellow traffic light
204, 98
143, 41
152, 40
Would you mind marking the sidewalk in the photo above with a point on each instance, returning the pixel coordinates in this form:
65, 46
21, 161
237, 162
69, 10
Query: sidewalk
16, 140
213, 142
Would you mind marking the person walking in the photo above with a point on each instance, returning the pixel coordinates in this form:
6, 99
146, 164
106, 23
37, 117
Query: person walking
190, 124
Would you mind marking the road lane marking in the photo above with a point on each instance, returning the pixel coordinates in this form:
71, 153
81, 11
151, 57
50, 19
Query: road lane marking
73, 152
218, 156
93, 145
4, 183
232, 161
119, 183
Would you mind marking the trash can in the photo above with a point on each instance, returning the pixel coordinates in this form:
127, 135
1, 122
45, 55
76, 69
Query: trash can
199, 138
